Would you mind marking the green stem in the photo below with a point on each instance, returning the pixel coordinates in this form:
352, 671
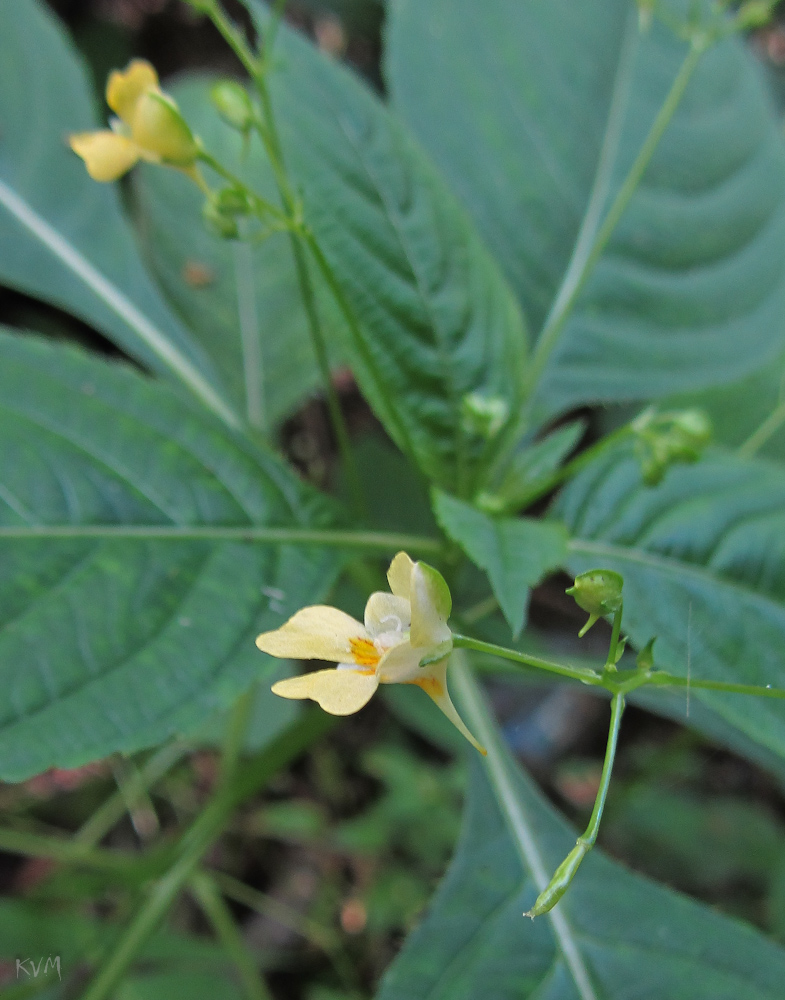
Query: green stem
219, 915
262, 207
662, 679
566, 871
582, 674
204, 831
116, 806
759, 437
65, 851
370, 540
584, 266
321, 937
236, 729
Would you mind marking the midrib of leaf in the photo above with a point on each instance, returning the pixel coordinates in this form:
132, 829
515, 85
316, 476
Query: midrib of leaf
250, 336
373, 540
484, 728
592, 218
119, 303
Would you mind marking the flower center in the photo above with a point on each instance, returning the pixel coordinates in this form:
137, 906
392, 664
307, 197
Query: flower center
364, 652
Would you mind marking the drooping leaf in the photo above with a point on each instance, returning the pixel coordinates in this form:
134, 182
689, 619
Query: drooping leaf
111, 643
616, 936
516, 552
535, 112
241, 302
703, 561
63, 236
434, 321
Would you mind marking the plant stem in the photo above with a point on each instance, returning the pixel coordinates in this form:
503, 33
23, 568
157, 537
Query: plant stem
116, 806
203, 832
65, 851
370, 540
236, 729
268, 132
661, 678
219, 915
759, 437
566, 871
323, 938
582, 674
584, 266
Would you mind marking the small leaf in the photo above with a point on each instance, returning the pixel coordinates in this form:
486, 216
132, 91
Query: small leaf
516, 553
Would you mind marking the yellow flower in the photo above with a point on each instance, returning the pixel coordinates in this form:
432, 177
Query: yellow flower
401, 629
149, 127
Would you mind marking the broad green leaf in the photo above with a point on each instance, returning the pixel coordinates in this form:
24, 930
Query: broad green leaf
241, 302
614, 935
113, 643
703, 560
434, 321
63, 236
515, 552
535, 112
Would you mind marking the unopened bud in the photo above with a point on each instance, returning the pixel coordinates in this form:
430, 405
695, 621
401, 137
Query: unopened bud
753, 14
663, 439
219, 222
483, 416
233, 104
598, 591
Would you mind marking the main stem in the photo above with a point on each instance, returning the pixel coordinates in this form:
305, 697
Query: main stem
268, 132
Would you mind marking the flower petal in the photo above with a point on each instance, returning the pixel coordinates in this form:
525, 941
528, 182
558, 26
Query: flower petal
433, 681
399, 575
125, 87
107, 155
316, 633
339, 692
400, 665
386, 613
431, 606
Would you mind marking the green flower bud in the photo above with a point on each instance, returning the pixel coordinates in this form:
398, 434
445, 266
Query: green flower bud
233, 104
231, 201
754, 14
663, 439
560, 882
598, 591
483, 416
220, 223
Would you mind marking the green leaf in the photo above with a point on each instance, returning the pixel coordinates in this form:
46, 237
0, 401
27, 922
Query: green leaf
535, 112
63, 236
241, 302
114, 643
434, 321
703, 561
613, 936
515, 552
